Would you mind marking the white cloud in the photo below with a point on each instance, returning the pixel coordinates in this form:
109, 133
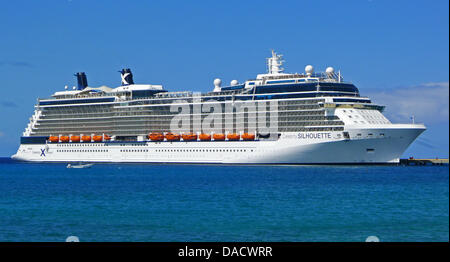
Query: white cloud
427, 102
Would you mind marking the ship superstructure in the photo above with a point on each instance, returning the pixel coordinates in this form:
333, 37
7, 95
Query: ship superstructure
276, 118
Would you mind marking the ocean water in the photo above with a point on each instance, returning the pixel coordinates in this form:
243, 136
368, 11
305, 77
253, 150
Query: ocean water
111, 202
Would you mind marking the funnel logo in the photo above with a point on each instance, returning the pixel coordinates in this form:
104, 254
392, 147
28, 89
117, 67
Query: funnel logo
124, 77
127, 76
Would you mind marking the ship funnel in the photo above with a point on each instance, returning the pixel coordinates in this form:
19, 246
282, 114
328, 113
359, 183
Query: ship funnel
81, 80
127, 77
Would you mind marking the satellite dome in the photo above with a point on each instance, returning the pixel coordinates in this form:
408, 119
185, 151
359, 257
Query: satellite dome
217, 82
234, 82
329, 70
309, 69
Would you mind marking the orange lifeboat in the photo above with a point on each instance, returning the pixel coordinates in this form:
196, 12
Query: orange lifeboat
219, 137
189, 137
75, 138
53, 139
86, 138
97, 138
172, 137
64, 139
106, 137
205, 137
156, 137
248, 136
233, 136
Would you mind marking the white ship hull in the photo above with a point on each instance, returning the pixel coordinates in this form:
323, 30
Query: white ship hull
374, 145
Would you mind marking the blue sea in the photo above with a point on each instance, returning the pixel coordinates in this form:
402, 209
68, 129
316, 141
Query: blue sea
112, 202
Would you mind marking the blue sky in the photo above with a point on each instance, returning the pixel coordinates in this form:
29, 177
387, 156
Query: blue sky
395, 51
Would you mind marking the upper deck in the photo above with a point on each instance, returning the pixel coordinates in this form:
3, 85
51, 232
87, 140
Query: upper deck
272, 85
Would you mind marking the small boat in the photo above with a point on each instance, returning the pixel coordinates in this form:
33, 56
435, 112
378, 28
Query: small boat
233, 137
79, 166
189, 137
205, 137
156, 137
75, 138
86, 138
106, 137
54, 139
64, 139
97, 138
248, 136
172, 137
219, 137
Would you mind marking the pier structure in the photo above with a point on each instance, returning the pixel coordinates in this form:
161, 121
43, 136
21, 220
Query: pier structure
424, 161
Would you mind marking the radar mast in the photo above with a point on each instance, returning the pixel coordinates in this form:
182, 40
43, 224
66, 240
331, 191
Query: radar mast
274, 64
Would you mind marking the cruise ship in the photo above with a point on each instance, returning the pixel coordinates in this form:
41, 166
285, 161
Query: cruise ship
275, 118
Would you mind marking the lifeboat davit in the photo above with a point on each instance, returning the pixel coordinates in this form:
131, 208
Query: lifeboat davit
86, 138
97, 138
248, 136
233, 136
106, 137
75, 138
189, 137
219, 137
205, 137
156, 137
64, 139
53, 139
172, 137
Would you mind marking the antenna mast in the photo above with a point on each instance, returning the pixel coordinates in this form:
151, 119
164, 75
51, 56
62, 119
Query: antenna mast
274, 63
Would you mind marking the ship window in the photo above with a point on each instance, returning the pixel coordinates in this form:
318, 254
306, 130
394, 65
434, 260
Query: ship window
370, 150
